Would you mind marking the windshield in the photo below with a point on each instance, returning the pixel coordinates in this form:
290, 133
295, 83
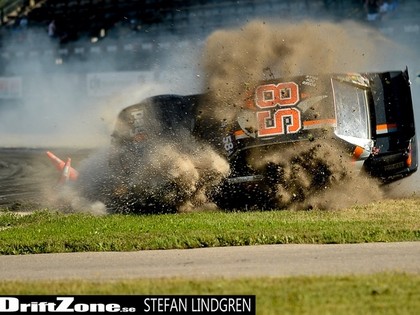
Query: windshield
351, 110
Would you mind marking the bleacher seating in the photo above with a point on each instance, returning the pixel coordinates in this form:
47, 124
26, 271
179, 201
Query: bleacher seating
79, 18
125, 27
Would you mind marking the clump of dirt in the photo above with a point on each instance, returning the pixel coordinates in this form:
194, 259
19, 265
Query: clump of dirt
319, 174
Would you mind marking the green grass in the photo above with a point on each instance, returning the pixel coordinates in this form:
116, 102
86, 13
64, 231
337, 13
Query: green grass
48, 231
366, 294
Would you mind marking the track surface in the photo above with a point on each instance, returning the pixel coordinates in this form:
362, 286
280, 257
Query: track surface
227, 262
26, 173
18, 175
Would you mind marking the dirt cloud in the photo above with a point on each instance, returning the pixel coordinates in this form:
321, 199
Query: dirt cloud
235, 60
165, 173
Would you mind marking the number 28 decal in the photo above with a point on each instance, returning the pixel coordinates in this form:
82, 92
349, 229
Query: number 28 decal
279, 115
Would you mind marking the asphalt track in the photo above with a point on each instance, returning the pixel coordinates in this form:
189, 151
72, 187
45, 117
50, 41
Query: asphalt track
226, 262
25, 173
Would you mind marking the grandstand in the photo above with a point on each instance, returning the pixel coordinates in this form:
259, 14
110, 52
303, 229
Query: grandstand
90, 16
139, 31
134, 31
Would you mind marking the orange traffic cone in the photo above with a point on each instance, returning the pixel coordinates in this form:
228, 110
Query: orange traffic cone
67, 172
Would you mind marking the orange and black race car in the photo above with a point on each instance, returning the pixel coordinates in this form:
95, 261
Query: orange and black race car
285, 129
286, 139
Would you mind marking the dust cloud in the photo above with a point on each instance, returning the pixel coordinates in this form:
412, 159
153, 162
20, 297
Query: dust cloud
236, 60
316, 175
159, 176
55, 108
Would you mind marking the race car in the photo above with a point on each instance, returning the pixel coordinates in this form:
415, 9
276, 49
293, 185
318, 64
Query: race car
285, 141
289, 138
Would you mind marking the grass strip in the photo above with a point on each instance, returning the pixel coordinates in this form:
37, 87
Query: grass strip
385, 293
48, 231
